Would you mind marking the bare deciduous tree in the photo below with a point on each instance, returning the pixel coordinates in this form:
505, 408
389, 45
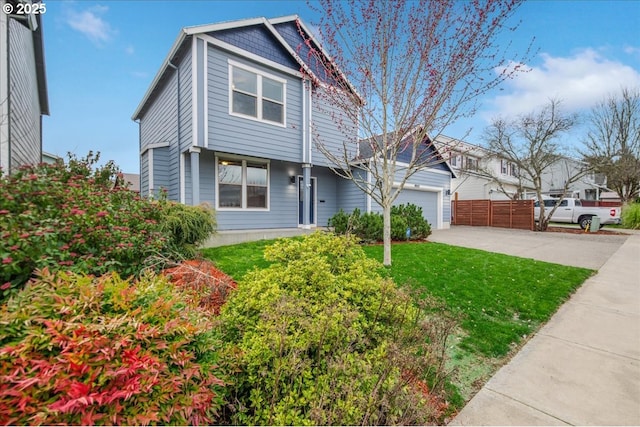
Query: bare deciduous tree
613, 142
416, 67
531, 142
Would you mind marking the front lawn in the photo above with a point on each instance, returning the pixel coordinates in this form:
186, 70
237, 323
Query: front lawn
499, 300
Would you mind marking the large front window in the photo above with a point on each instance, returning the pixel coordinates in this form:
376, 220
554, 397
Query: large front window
243, 184
257, 95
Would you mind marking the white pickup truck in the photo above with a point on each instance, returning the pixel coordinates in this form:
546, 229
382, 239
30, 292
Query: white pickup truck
572, 211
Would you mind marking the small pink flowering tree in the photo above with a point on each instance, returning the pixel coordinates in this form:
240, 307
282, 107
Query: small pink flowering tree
402, 71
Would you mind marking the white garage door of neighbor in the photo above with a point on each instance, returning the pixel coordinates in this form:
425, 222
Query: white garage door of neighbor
427, 200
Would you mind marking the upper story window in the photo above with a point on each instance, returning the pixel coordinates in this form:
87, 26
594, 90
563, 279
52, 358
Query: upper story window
257, 95
454, 158
472, 163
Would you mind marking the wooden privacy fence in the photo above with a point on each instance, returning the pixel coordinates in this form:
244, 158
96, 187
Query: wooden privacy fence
494, 213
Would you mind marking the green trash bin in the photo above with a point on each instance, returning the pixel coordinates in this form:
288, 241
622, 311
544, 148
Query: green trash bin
595, 224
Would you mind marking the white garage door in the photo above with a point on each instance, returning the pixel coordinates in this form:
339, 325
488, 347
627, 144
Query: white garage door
427, 200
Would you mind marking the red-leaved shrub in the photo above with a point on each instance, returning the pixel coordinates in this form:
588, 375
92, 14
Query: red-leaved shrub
81, 350
211, 285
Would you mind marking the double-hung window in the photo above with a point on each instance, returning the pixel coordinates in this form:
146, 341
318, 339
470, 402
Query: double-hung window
243, 184
257, 95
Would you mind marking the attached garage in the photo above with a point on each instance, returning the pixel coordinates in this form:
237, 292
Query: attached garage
427, 200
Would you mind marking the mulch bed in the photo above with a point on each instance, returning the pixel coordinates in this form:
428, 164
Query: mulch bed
212, 286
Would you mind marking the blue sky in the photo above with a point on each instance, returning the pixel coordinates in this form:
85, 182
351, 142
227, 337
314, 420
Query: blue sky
102, 56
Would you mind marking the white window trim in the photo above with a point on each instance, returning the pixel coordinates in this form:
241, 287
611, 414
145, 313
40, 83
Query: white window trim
244, 161
260, 74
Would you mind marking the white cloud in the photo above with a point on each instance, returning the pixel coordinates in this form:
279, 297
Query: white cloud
579, 81
632, 50
91, 24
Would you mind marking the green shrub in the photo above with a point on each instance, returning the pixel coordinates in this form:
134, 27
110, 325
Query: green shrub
81, 350
319, 337
77, 218
187, 226
631, 216
398, 228
340, 222
412, 214
369, 227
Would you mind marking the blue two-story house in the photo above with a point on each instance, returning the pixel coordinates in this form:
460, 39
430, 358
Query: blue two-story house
230, 120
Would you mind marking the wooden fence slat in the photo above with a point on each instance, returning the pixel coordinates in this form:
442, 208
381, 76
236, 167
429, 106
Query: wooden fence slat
494, 213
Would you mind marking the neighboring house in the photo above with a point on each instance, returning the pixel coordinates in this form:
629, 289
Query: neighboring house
587, 187
230, 120
479, 174
51, 158
23, 86
132, 181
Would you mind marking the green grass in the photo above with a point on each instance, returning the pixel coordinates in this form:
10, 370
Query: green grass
237, 260
499, 300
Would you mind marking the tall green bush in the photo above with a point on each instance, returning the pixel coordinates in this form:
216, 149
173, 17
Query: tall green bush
369, 226
81, 350
631, 216
319, 337
80, 218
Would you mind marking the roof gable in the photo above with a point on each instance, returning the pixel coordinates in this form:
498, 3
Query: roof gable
258, 40
285, 45
427, 152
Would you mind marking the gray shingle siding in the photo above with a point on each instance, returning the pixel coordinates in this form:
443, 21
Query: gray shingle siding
241, 135
289, 32
24, 115
259, 41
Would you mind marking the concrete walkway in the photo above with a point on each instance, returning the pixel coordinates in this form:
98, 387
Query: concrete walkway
583, 367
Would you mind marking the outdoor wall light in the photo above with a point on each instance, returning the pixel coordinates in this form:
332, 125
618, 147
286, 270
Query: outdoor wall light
292, 179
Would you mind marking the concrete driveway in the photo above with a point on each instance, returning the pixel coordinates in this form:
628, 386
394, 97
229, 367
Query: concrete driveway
578, 250
583, 366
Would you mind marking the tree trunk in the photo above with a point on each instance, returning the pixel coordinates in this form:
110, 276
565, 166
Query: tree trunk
386, 234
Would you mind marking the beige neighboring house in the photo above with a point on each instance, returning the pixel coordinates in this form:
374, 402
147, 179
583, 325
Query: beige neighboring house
133, 181
23, 85
479, 174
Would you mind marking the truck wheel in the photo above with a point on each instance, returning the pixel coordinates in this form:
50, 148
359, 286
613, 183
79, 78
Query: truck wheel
584, 221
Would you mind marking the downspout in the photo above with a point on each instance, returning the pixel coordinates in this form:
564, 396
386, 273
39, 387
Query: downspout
177, 69
304, 121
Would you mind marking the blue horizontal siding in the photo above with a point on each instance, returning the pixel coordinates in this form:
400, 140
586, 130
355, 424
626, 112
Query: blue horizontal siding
233, 134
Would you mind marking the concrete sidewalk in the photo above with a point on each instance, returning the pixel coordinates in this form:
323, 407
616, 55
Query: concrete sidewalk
583, 367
